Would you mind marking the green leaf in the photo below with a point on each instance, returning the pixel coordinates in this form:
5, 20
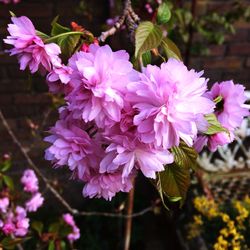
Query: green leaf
5, 166
37, 226
8, 182
214, 125
163, 14
58, 28
174, 182
147, 37
51, 245
185, 156
146, 58
170, 49
66, 38
54, 227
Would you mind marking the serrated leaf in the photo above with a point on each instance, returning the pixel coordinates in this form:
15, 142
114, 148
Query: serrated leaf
170, 49
214, 125
147, 37
174, 182
163, 14
146, 58
185, 156
8, 182
37, 226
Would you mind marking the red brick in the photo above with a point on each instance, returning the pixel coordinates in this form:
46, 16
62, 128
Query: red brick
239, 49
223, 63
32, 98
239, 36
217, 50
248, 62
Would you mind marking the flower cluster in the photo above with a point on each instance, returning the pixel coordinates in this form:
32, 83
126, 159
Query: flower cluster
75, 234
232, 219
14, 220
117, 121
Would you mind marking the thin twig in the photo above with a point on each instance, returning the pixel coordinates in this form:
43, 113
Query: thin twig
128, 16
56, 193
128, 228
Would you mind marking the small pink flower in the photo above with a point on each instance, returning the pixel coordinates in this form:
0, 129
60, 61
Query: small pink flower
34, 203
22, 222
75, 234
30, 181
4, 203
231, 110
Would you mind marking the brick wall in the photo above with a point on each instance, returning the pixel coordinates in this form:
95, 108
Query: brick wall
23, 98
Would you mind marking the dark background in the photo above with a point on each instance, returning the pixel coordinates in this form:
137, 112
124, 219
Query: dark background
25, 102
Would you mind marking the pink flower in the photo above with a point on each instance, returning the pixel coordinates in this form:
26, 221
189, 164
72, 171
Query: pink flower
30, 48
129, 153
35, 202
107, 185
102, 76
231, 110
22, 222
8, 228
72, 146
4, 203
30, 181
75, 234
16, 223
169, 101
59, 78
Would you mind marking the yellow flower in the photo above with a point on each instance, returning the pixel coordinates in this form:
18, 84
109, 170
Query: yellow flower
198, 220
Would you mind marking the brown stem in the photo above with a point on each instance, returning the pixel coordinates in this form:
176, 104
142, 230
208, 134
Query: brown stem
56, 193
128, 228
129, 16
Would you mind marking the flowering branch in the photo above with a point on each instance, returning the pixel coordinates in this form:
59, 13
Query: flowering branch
55, 192
128, 16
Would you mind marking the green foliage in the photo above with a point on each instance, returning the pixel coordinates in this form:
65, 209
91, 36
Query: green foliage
170, 49
9, 243
146, 58
214, 125
67, 40
163, 14
174, 181
8, 182
147, 36
37, 226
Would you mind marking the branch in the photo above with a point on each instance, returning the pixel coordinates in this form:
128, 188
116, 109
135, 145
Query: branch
128, 16
57, 194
